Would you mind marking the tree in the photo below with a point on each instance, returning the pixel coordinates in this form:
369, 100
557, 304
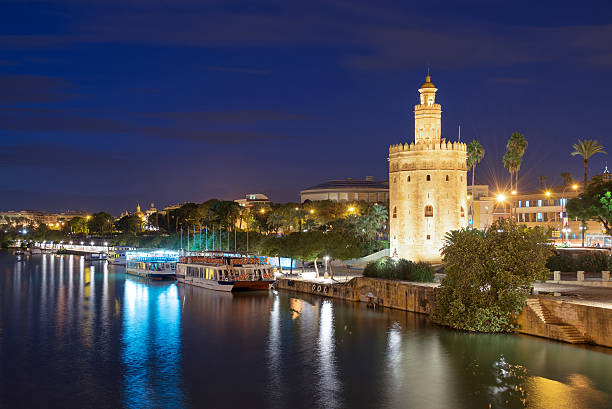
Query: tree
595, 202
567, 178
489, 274
587, 148
101, 222
475, 154
542, 179
510, 161
275, 221
515, 149
340, 247
129, 224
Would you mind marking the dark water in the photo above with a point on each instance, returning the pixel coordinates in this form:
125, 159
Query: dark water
75, 335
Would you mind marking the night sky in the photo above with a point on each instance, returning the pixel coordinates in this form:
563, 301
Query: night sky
106, 104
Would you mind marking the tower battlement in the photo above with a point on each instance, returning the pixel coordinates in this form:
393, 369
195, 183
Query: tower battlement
424, 146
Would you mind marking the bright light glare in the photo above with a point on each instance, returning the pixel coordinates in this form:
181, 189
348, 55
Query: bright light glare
501, 197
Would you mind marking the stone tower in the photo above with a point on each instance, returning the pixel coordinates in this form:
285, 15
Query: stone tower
427, 185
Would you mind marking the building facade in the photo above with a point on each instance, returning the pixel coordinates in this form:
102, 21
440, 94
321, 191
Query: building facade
253, 199
348, 190
427, 185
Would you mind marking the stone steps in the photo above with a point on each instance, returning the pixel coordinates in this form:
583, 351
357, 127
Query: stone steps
568, 332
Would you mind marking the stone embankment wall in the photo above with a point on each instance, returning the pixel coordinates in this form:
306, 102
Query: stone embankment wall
593, 324
543, 316
414, 297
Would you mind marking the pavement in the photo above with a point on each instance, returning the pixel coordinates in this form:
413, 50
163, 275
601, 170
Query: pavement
578, 294
573, 293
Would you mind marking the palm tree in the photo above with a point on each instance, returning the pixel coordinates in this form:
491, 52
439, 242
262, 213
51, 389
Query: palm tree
475, 153
510, 160
567, 178
542, 179
517, 144
587, 148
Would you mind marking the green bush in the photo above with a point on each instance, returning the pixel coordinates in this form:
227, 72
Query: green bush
562, 262
488, 275
593, 261
401, 269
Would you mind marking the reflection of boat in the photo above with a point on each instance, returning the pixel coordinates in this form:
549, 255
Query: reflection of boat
225, 272
95, 256
155, 264
19, 255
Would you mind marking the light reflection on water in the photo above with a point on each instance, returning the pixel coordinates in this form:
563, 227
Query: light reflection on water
82, 334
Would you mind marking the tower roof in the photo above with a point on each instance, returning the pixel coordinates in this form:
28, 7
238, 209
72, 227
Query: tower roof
428, 83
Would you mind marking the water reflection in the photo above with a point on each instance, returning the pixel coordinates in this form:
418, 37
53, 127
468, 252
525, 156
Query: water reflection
151, 345
82, 334
328, 383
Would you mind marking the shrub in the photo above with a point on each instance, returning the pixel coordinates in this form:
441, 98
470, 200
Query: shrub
401, 269
488, 275
593, 261
562, 262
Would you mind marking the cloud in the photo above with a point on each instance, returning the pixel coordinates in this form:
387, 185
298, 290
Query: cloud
232, 117
238, 70
509, 80
18, 89
37, 120
53, 156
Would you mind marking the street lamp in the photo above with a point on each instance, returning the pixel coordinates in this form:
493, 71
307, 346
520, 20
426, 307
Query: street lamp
501, 198
351, 209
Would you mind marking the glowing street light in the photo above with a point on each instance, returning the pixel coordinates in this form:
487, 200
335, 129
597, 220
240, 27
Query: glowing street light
547, 193
312, 211
574, 186
501, 197
262, 211
351, 209
513, 192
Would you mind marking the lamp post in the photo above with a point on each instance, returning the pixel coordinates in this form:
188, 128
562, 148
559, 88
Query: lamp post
501, 198
565, 220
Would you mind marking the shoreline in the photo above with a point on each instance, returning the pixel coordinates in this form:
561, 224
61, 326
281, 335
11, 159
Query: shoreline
561, 318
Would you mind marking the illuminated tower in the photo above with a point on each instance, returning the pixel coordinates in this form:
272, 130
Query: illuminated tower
427, 185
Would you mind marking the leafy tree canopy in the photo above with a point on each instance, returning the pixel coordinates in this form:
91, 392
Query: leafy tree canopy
489, 274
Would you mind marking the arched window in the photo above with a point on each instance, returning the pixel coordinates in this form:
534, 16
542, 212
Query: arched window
447, 178
462, 212
428, 211
394, 179
408, 178
395, 212
428, 178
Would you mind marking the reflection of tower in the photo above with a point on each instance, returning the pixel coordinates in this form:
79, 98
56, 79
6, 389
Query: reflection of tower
427, 185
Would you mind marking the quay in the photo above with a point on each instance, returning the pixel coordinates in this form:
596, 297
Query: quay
574, 313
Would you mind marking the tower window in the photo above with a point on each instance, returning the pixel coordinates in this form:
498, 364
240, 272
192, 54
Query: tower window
447, 178
394, 179
408, 178
429, 237
428, 211
428, 178
462, 212
395, 212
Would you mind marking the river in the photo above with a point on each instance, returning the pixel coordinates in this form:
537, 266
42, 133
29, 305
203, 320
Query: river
75, 334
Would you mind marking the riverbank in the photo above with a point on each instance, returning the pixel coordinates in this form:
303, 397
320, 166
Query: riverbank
575, 315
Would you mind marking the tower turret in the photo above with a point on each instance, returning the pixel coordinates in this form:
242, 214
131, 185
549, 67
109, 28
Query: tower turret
427, 115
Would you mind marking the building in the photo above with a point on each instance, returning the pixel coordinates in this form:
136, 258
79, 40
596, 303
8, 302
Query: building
53, 220
481, 214
253, 199
427, 185
348, 190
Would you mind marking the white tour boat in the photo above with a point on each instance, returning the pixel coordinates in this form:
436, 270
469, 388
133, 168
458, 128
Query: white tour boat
221, 272
154, 264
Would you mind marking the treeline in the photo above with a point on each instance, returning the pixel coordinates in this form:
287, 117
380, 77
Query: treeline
225, 225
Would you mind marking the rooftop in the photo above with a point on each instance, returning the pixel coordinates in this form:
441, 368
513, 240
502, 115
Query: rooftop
369, 183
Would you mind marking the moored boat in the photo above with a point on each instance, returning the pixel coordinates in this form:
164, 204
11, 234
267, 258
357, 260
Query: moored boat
221, 272
154, 264
116, 255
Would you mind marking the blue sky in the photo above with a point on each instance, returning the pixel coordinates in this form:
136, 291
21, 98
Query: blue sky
105, 104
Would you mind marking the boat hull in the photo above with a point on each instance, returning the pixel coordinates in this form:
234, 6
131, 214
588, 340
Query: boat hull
152, 275
227, 286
